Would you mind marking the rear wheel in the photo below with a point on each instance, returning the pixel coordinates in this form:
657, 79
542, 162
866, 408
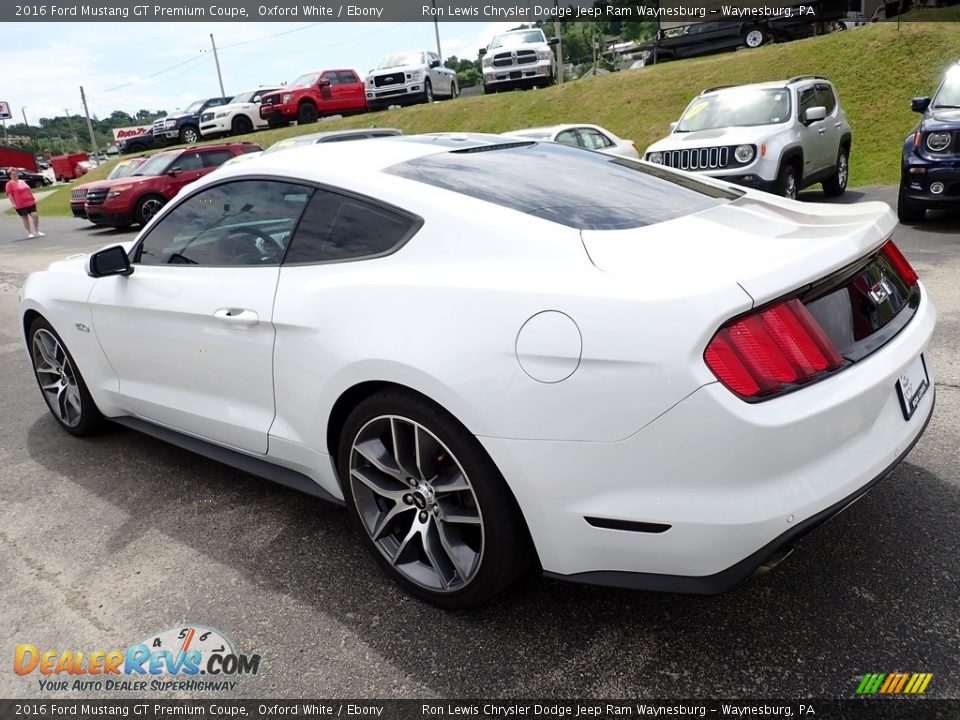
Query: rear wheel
307, 113
837, 183
908, 211
754, 38
60, 381
430, 504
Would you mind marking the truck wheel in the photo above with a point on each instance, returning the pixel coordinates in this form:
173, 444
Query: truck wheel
189, 135
836, 184
787, 184
428, 92
454, 90
147, 207
908, 211
307, 113
241, 125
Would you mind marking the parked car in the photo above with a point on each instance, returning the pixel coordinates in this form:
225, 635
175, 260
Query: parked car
138, 143
183, 126
333, 136
238, 117
930, 158
78, 195
518, 58
410, 77
31, 178
314, 94
707, 38
618, 373
591, 137
137, 197
69, 166
777, 136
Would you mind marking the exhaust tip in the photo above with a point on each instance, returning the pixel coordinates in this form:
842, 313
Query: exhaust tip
775, 558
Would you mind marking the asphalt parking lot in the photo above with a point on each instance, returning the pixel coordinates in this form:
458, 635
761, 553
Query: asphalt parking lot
104, 541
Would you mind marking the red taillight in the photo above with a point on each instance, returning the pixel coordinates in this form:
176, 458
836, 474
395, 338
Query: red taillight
900, 263
771, 350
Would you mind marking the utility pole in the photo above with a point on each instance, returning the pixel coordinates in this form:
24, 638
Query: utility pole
436, 29
556, 31
93, 138
216, 59
73, 132
27, 126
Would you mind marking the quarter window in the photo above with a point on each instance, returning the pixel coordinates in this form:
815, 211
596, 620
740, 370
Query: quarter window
339, 227
243, 223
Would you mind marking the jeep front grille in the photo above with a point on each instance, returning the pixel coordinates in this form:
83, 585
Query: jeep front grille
712, 158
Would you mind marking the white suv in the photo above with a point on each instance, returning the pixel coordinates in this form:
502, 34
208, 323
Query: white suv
411, 76
518, 58
238, 117
777, 136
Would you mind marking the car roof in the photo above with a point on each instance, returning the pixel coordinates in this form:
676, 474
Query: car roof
769, 85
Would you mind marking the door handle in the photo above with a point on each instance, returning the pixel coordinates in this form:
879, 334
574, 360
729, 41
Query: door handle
837, 125
237, 316
820, 131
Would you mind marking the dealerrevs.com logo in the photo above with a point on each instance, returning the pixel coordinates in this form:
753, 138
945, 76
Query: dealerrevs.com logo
191, 658
894, 683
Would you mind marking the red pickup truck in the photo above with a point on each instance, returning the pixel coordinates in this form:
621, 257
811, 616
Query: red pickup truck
313, 94
137, 197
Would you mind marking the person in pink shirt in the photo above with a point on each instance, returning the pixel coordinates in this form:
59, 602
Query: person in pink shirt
23, 202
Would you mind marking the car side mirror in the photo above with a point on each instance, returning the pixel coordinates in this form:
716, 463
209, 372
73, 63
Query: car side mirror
325, 82
815, 113
554, 41
109, 261
673, 126
483, 51
920, 104
434, 63
173, 172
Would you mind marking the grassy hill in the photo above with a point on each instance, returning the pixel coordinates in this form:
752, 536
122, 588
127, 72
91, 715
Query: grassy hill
876, 69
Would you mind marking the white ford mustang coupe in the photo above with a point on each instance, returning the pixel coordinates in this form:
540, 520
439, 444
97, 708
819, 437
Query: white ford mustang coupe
501, 354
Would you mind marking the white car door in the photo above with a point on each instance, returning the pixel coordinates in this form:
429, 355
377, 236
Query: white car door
438, 74
190, 332
812, 134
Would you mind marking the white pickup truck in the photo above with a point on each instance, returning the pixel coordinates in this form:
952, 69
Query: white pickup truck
410, 77
518, 58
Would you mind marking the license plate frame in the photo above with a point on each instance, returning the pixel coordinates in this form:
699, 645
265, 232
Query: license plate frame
912, 386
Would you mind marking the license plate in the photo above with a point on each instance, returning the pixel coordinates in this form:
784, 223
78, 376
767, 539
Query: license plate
912, 386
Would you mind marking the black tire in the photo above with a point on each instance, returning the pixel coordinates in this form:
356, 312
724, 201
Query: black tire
147, 207
307, 113
506, 551
189, 135
428, 92
788, 182
836, 184
454, 90
241, 125
88, 418
488, 90
908, 211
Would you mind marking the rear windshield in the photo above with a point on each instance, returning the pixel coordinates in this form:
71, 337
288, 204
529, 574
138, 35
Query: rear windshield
573, 187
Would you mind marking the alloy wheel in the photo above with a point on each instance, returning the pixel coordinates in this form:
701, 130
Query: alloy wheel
416, 503
58, 381
149, 208
843, 170
754, 38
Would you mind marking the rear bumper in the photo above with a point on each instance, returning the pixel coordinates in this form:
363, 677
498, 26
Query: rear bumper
731, 481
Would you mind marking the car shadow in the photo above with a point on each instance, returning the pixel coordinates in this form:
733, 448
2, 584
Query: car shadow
873, 574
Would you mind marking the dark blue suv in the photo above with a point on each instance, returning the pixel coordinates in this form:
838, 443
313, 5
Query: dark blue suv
930, 168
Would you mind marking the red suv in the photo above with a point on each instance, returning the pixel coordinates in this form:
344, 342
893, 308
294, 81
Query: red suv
321, 92
137, 197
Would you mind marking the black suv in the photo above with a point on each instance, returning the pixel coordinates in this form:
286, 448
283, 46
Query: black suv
183, 126
930, 165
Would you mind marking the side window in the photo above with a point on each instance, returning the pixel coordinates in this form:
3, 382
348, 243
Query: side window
594, 140
345, 77
826, 98
243, 223
331, 76
807, 98
215, 158
338, 227
187, 161
568, 137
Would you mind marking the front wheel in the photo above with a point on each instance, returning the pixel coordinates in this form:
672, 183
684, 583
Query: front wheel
787, 184
307, 114
60, 381
908, 211
430, 504
189, 135
454, 90
241, 125
428, 92
148, 207
836, 184
754, 38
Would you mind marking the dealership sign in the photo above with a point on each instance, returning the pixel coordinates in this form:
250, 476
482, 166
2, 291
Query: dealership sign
4, 110
127, 132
